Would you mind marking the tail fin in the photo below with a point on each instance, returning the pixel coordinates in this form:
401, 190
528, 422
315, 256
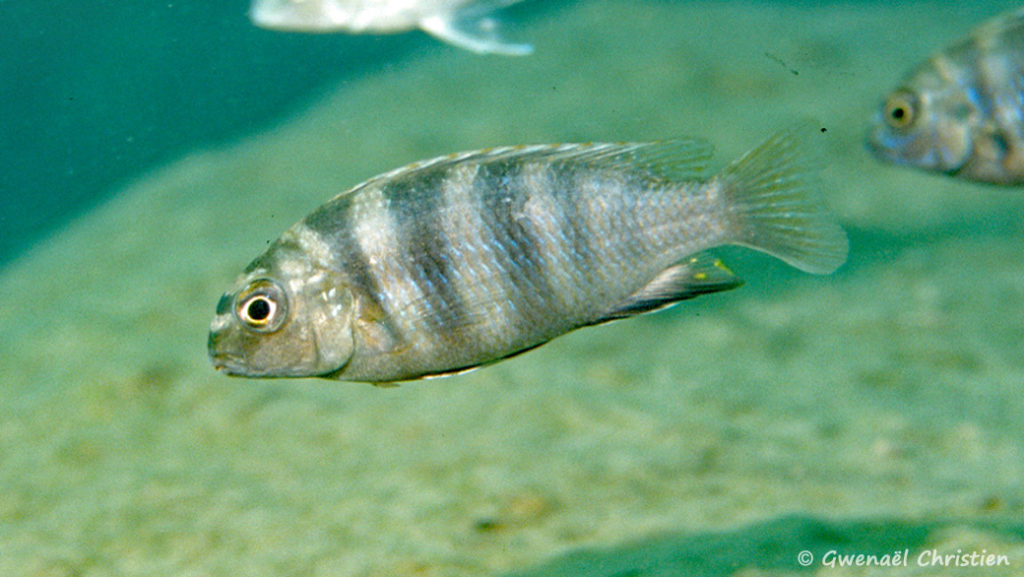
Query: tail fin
771, 196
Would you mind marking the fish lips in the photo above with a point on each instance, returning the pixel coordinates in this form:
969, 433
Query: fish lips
222, 361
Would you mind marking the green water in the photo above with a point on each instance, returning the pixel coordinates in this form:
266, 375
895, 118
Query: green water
872, 411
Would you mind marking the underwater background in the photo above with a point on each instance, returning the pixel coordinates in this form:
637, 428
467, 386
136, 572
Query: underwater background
152, 152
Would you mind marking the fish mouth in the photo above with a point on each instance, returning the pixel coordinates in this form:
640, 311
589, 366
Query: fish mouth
223, 362
226, 364
878, 140
238, 366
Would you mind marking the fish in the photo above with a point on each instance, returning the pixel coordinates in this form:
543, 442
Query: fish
460, 261
463, 23
961, 112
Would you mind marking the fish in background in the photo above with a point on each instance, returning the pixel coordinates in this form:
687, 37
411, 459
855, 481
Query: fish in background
463, 23
466, 259
961, 112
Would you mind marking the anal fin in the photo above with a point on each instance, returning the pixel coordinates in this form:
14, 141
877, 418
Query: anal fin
698, 275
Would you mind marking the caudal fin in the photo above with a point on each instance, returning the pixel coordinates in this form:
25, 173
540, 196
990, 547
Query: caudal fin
771, 195
472, 28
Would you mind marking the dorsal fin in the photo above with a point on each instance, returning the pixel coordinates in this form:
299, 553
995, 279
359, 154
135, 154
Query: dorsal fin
699, 275
672, 160
677, 160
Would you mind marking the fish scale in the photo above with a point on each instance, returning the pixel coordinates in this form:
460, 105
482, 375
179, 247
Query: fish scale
466, 259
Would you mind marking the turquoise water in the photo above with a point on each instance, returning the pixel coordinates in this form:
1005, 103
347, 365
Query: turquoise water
871, 411
98, 94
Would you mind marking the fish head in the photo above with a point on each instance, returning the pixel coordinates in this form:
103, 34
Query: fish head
925, 124
284, 317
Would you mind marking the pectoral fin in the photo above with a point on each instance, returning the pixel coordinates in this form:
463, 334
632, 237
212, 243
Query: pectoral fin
375, 332
696, 276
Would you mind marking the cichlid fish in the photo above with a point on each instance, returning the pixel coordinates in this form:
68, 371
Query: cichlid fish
463, 23
466, 259
962, 111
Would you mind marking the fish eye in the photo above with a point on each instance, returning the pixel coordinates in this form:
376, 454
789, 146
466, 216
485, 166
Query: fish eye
258, 309
262, 306
900, 110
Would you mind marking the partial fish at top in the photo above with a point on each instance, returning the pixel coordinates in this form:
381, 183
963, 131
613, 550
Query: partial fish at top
961, 112
463, 23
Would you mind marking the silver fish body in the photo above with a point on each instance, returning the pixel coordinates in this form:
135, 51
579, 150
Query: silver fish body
962, 111
459, 261
463, 23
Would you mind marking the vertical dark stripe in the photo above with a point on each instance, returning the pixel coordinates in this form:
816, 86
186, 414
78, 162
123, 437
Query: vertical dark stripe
997, 78
504, 190
574, 224
416, 205
979, 67
334, 224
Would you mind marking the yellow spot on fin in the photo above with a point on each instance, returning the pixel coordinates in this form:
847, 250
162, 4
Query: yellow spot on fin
698, 275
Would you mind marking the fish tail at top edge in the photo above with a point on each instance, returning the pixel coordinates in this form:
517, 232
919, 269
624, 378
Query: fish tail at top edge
473, 28
772, 198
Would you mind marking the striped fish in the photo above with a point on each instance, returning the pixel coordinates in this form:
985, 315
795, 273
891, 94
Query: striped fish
463, 260
962, 111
